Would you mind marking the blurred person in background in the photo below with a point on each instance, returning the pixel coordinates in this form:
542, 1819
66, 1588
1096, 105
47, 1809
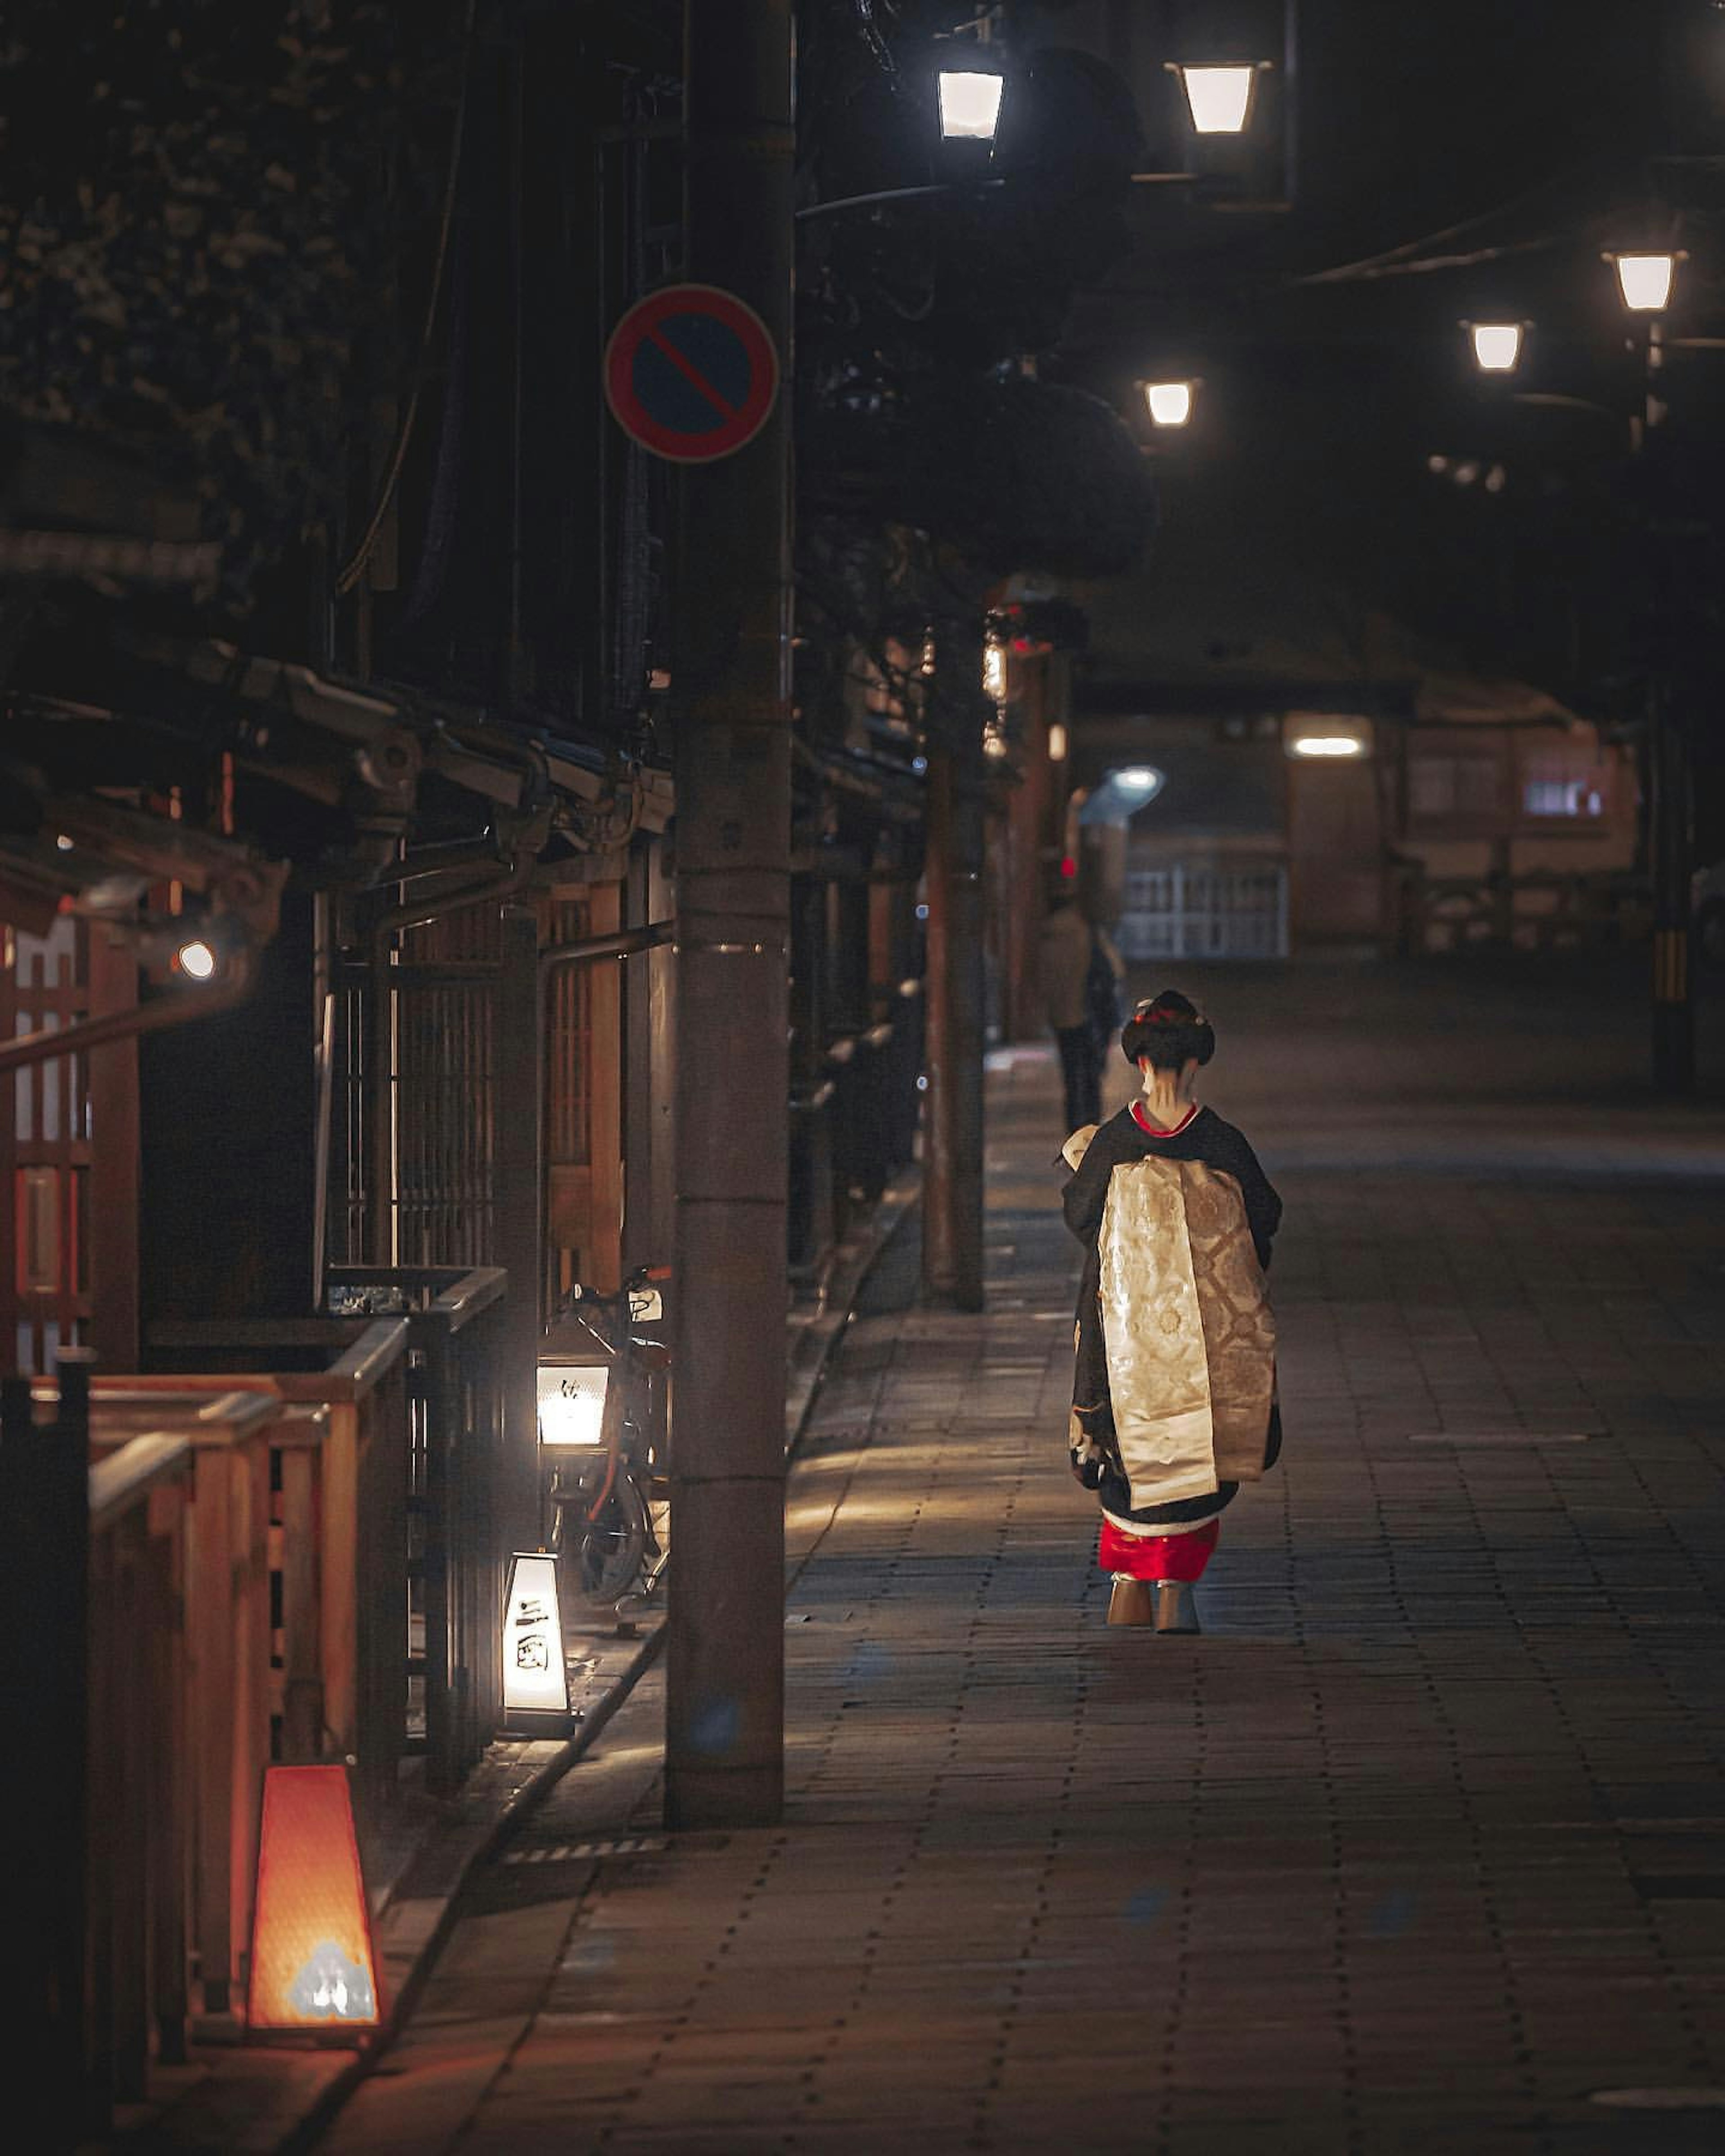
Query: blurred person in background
1081, 972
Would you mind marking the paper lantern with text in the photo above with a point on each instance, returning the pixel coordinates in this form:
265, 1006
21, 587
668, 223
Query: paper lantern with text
313, 1965
536, 1677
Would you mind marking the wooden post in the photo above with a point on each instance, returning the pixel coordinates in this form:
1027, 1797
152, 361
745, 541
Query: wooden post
519, 1242
952, 1124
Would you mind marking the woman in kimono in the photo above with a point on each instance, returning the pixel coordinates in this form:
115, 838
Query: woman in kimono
1173, 1403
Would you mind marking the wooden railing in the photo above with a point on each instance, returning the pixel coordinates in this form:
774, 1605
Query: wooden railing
266, 1564
91, 1660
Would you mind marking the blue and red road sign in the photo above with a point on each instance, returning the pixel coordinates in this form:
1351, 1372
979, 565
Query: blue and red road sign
691, 373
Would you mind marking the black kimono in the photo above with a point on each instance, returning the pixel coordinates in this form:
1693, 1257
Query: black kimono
1172, 1328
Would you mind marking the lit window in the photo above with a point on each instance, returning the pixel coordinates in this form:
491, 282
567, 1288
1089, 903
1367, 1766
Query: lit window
1562, 797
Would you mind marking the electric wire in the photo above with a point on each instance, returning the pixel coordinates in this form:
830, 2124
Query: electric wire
355, 565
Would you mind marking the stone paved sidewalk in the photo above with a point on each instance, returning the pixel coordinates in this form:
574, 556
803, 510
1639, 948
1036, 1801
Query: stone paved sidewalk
1419, 1848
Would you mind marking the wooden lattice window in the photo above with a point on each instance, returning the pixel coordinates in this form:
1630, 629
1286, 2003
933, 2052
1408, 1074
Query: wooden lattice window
583, 1126
46, 1137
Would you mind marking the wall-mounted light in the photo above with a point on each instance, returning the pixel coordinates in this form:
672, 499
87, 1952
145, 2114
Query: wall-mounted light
1325, 737
198, 959
1645, 281
1218, 97
969, 105
994, 671
1169, 404
1057, 743
1496, 345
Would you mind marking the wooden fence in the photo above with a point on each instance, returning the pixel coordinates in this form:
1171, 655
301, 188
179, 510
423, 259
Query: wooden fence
207, 1570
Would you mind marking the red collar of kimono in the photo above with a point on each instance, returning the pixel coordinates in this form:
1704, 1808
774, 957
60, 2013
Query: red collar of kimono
1150, 1130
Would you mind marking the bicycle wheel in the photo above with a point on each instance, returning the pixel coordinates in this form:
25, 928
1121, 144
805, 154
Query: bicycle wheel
608, 1552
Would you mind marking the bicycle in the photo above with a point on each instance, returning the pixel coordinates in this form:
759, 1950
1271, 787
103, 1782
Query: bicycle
602, 1440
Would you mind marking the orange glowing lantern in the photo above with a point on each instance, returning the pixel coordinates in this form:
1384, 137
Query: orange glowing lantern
313, 1966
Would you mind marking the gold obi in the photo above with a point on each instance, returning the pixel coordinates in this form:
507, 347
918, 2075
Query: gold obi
1187, 1324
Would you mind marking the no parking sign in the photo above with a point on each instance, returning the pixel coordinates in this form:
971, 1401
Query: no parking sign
691, 373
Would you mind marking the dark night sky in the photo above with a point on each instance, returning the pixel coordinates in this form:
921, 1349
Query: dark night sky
1539, 125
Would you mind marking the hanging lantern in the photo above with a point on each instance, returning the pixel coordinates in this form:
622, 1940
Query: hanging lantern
1644, 280
1220, 97
969, 103
1496, 345
1169, 404
313, 1964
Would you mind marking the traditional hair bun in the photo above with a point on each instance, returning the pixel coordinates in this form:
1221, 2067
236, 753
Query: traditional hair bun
1170, 1029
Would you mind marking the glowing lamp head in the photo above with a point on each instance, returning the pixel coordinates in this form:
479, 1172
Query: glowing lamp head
1496, 346
197, 960
571, 1404
1138, 778
1057, 743
1218, 98
1326, 745
1645, 280
1169, 404
969, 105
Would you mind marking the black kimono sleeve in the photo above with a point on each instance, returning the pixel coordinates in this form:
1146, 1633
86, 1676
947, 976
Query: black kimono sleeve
1086, 1192
1263, 1206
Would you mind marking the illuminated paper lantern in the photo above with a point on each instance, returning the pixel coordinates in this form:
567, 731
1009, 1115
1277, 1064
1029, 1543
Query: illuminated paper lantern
313, 1966
536, 1680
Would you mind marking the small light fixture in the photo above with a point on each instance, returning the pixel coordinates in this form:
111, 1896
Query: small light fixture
313, 1964
1645, 280
969, 105
1220, 98
1169, 404
1138, 778
1057, 743
197, 960
1496, 345
994, 672
1322, 737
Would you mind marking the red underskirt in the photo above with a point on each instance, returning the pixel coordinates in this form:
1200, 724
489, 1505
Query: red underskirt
1157, 1557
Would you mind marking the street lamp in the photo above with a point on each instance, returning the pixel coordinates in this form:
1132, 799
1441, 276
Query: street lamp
1325, 737
1645, 280
198, 961
1169, 404
969, 105
1496, 345
1220, 98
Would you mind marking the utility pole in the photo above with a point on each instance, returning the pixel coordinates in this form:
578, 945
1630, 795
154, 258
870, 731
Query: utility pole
952, 1124
725, 1664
